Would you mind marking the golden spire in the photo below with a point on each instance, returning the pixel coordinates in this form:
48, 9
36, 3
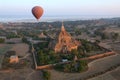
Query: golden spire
62, 28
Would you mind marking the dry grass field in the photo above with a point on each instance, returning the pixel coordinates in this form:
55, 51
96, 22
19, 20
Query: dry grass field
96, 66
21, 74
5, 47
116, 47
21, 49
112, 75
112, 29
27, 72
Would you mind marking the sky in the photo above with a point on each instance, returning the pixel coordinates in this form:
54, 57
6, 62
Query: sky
61, 7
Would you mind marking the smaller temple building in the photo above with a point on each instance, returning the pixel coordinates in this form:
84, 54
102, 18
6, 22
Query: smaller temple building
14, 59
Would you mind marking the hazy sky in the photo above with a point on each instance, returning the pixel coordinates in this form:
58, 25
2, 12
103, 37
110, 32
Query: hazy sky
61, 7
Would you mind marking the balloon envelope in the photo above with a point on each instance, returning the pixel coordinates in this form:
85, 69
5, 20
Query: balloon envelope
37, 11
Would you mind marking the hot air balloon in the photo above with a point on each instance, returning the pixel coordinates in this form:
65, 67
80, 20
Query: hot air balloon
37, 11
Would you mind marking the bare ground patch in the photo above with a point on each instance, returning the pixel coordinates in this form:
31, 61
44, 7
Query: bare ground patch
21, 74
112, 75
21, 49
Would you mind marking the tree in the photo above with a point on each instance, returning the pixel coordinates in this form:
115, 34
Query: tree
103, 36
12, 35
46, 75
52, 56
82, 65
97, 41
24, 40
2, 40
77, 32
67, 68
41, 59
115, 36
74, 51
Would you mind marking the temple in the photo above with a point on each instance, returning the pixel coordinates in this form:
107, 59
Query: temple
64, 42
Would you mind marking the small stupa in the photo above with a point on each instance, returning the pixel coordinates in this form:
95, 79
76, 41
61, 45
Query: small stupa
42, 35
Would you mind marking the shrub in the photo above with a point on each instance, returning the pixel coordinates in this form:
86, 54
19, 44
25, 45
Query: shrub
46, 75
2, 40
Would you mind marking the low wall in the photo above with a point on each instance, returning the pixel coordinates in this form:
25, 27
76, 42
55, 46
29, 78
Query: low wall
44, 66
34, 59
99, 56
88, 58
40, 67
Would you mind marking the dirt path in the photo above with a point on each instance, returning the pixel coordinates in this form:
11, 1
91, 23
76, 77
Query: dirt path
34, 75
27, 78
25, 56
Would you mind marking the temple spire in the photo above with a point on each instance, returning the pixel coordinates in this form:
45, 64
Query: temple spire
62, 28
62, 23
